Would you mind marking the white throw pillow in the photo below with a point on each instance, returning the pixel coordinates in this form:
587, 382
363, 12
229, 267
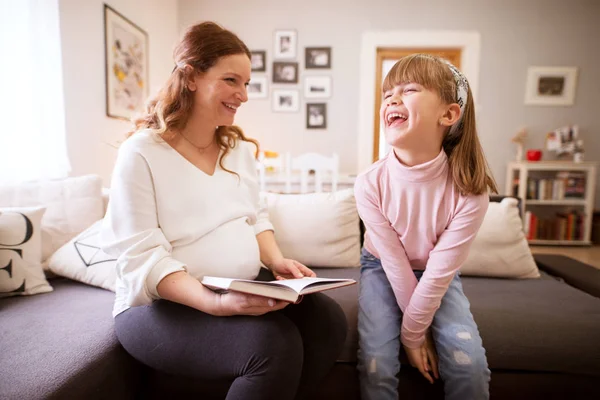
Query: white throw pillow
72, 205
21, 252
500, 248
81, 259
316, 229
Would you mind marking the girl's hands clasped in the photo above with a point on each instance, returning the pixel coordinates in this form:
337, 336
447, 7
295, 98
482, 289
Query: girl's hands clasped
425, 358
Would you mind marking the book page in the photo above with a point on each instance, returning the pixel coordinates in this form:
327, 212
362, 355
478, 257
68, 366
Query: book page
299, 284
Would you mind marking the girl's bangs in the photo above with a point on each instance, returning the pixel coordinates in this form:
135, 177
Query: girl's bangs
417, 68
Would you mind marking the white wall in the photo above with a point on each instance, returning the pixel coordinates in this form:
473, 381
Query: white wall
514, 35
89, 130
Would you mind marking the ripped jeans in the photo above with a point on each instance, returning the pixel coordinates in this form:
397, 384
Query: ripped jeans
462, 362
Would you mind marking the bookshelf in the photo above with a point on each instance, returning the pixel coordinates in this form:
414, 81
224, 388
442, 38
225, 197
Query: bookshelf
557, 200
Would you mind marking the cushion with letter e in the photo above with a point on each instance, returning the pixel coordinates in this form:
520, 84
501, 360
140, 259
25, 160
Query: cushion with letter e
21, 270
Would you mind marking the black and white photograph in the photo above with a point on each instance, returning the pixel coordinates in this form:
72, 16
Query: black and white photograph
257, 87
285, 44
317, 57
286, 100
317, 87
551, 86
285, 72
316, 115
258, 60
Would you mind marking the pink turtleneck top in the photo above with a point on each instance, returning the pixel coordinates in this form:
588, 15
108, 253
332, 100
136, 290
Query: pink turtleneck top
416, 219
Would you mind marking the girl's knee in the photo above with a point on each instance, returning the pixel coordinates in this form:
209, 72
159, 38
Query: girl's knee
462, 349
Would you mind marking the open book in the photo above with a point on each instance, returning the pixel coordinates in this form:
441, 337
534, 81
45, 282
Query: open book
287, 290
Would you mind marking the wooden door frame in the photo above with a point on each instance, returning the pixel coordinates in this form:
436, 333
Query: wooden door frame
468, 41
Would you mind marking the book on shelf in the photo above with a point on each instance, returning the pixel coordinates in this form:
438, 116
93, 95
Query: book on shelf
288, 290
562, 226
565, 185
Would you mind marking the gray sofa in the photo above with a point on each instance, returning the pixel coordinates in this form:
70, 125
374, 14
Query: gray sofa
542, 339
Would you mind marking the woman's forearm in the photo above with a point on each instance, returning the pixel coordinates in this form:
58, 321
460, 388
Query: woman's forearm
181, 287
269, 250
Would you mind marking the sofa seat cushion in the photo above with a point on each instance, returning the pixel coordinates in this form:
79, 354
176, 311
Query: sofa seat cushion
62, 345
536, 324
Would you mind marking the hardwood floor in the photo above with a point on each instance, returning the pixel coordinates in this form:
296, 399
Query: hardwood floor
589, 255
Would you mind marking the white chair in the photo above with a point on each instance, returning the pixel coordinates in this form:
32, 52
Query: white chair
279, 164
320, 164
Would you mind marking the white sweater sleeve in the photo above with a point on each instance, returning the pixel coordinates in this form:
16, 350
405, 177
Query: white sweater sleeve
131, 232
262, 215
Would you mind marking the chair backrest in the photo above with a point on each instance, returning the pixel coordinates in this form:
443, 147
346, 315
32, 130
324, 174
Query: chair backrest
320, 164
279, 164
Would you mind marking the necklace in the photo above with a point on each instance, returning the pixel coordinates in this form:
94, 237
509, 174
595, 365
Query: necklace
202, 149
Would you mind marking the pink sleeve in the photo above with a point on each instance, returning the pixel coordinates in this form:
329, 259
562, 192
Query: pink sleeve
445, 259
387, 243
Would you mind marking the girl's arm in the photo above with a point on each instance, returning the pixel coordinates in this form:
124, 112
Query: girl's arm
386, 241
449, 253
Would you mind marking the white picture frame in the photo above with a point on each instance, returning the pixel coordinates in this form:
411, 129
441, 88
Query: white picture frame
317, 87
285, 100
257, 87
551, 86
286, 43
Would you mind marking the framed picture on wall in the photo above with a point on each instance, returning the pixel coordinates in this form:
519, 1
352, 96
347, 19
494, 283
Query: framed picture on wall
317, 87
316, 116
257, 88
126, 57
286, 100
551, 86
285, 44
317, 57
285, 72
258, 60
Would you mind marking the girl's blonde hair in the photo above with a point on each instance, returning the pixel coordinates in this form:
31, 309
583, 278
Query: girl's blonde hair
469, 168
201, 48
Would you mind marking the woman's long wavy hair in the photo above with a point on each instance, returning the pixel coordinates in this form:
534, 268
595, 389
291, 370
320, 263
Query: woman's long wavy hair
469, 168
201, 48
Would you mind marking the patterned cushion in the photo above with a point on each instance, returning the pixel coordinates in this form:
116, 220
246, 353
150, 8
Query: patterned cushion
81, 259
21, 252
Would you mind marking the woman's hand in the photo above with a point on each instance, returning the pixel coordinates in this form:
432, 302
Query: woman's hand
424, 358
236, 303
285, 268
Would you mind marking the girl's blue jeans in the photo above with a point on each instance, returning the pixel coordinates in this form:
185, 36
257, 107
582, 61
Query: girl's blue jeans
462, 362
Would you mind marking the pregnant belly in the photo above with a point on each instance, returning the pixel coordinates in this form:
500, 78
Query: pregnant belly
230, 250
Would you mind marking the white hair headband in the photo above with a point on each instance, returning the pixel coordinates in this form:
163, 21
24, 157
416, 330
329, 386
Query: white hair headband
462, 91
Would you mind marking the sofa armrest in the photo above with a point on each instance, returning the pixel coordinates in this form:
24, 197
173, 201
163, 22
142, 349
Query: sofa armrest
575, 273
